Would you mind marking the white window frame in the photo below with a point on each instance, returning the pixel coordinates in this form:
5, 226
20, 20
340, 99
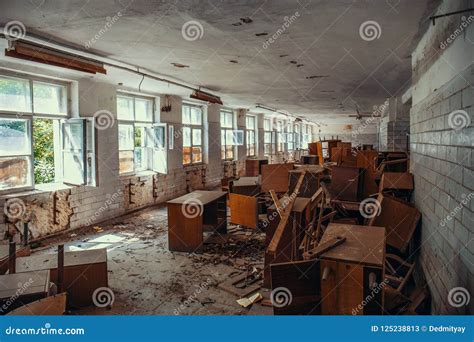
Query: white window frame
249, 132
226, 129
149, 130
192, 127
88, 159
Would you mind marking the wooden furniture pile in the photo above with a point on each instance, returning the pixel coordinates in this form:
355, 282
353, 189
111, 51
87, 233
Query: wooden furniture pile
339, 231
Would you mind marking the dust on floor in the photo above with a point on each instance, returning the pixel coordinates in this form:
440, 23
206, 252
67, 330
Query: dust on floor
147, 279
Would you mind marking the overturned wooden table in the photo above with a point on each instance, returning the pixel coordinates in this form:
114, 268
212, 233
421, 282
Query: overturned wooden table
192, 214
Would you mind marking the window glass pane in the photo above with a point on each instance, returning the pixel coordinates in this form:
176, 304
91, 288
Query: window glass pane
159, 137
196, 116
186, 136
49, 98
140, 136
140, 158
197, 135
197, 155
43, 150
15, 172
125, 108
187, 155
229, 137
143, 110
15, 94
226, 119
250, 122
125, 161
266, 125
223, 137
186, 115
126, 141
14, 137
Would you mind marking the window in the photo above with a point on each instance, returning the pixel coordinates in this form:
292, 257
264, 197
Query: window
138, 148
250, 135
297, 136
38, 144
227, 135
268, 137
192, 134
307, 136
290, 137
281, 137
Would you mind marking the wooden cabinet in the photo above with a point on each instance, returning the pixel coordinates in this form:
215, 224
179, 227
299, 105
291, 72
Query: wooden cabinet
192, 214
253, 167
352, 274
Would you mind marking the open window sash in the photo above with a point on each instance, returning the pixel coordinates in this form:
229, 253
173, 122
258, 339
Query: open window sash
79, 151
160, 162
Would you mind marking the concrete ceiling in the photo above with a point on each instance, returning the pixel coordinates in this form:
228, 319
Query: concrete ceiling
319, 65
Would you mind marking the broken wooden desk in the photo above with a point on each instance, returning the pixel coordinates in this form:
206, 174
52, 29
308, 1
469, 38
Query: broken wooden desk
22, 288
288, 247
192, 214
84, 272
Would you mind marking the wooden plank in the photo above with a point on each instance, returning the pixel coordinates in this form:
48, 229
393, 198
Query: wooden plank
49, 306
241, 285
275, 177
400, 218
243, 210
296, 288
276, 201
284, 219
324, 247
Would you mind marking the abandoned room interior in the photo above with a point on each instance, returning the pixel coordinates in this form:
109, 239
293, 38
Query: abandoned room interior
236, 157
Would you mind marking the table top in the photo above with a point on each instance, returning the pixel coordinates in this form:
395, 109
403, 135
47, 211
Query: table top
50, 261
198, 197
364, 244
247, 181
27, 283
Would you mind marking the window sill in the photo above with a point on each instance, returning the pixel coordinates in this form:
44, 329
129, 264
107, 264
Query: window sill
138, 174
39, 189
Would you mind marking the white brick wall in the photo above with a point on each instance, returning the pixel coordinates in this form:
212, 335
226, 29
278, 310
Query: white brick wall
442, 161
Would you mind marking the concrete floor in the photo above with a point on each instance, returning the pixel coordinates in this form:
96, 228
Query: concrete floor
148, 279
